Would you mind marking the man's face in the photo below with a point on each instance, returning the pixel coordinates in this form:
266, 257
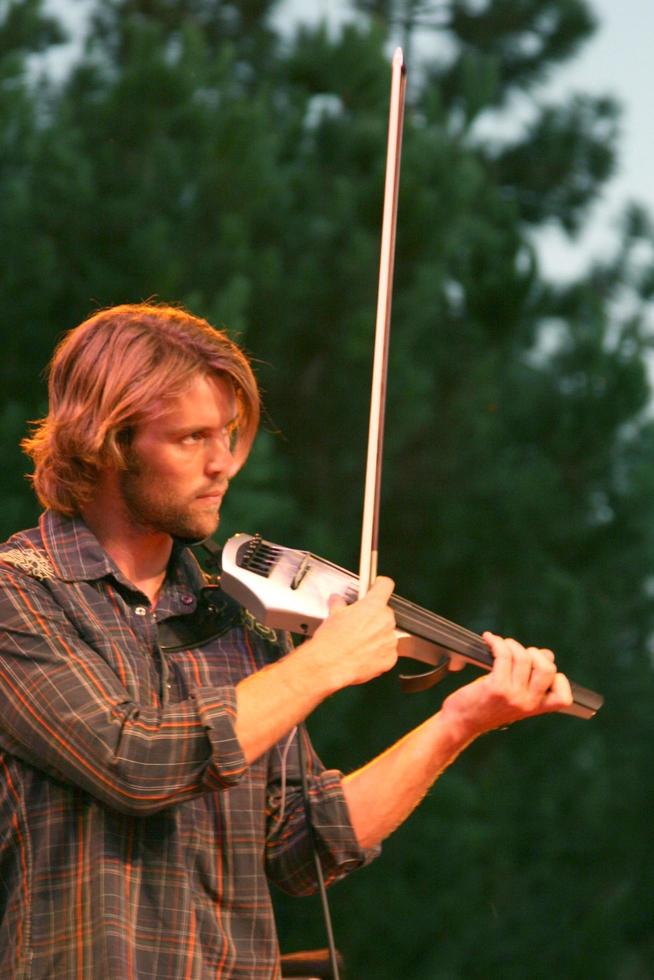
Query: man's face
179, 464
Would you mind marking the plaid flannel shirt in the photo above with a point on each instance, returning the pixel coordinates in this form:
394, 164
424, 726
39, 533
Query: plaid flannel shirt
134, 839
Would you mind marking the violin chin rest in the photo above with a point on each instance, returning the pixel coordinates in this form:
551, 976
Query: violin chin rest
416, 648
413, 683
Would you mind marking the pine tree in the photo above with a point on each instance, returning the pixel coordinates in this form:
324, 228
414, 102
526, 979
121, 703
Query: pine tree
27, 255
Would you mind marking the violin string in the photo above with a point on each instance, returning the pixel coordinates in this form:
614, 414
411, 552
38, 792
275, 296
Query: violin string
416, 615
468, 641
436, 628
425, 616
452, 643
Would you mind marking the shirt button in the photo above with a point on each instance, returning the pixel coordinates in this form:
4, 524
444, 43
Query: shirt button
140, 611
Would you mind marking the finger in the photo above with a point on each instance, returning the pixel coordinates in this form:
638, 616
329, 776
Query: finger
381, 589
521, 663
457, 662
543, 670
502, 667
559, 694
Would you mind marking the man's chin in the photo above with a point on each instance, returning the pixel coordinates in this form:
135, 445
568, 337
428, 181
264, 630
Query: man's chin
196, 533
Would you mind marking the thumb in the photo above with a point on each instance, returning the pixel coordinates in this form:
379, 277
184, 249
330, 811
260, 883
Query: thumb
335, 602
382, 589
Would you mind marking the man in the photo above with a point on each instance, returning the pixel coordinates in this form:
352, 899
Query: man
148, 791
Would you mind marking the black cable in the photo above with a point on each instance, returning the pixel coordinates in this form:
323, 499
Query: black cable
320, 878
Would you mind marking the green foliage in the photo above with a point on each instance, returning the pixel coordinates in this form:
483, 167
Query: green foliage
24, 30
523, 39
196, 155
554, 172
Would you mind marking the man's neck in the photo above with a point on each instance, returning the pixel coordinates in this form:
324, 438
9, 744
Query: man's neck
141, 554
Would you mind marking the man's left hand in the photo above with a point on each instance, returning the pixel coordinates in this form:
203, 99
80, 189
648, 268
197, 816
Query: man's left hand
523, 682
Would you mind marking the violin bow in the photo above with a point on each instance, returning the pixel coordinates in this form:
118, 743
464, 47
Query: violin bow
371, 500
369, 552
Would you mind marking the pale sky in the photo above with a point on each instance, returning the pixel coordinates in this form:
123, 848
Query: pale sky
616, 61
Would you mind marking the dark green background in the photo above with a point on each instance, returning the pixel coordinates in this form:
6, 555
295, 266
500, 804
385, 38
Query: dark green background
195, 154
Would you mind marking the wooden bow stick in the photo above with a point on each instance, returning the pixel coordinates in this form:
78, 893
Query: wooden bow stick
371, 503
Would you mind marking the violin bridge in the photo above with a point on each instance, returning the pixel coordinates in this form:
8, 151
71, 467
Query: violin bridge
302, 570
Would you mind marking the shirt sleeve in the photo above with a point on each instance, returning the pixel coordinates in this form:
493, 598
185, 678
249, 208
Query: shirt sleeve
64, 711
295, 825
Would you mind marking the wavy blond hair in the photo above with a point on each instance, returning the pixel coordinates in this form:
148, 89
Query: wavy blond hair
111, 373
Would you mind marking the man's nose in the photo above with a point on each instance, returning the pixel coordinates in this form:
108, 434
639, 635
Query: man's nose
220, 458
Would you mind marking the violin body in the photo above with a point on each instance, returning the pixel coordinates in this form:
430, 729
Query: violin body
288, 589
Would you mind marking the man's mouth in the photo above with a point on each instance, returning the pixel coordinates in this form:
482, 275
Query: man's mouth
216, 494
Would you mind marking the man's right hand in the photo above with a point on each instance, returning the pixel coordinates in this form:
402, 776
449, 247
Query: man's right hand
356, 642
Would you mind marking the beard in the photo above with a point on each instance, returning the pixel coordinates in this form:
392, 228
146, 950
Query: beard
153, 506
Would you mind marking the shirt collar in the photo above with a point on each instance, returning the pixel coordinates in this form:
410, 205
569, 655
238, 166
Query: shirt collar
73, 549
78, 556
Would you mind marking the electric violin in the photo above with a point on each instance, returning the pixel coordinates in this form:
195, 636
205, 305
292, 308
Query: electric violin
288, 589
